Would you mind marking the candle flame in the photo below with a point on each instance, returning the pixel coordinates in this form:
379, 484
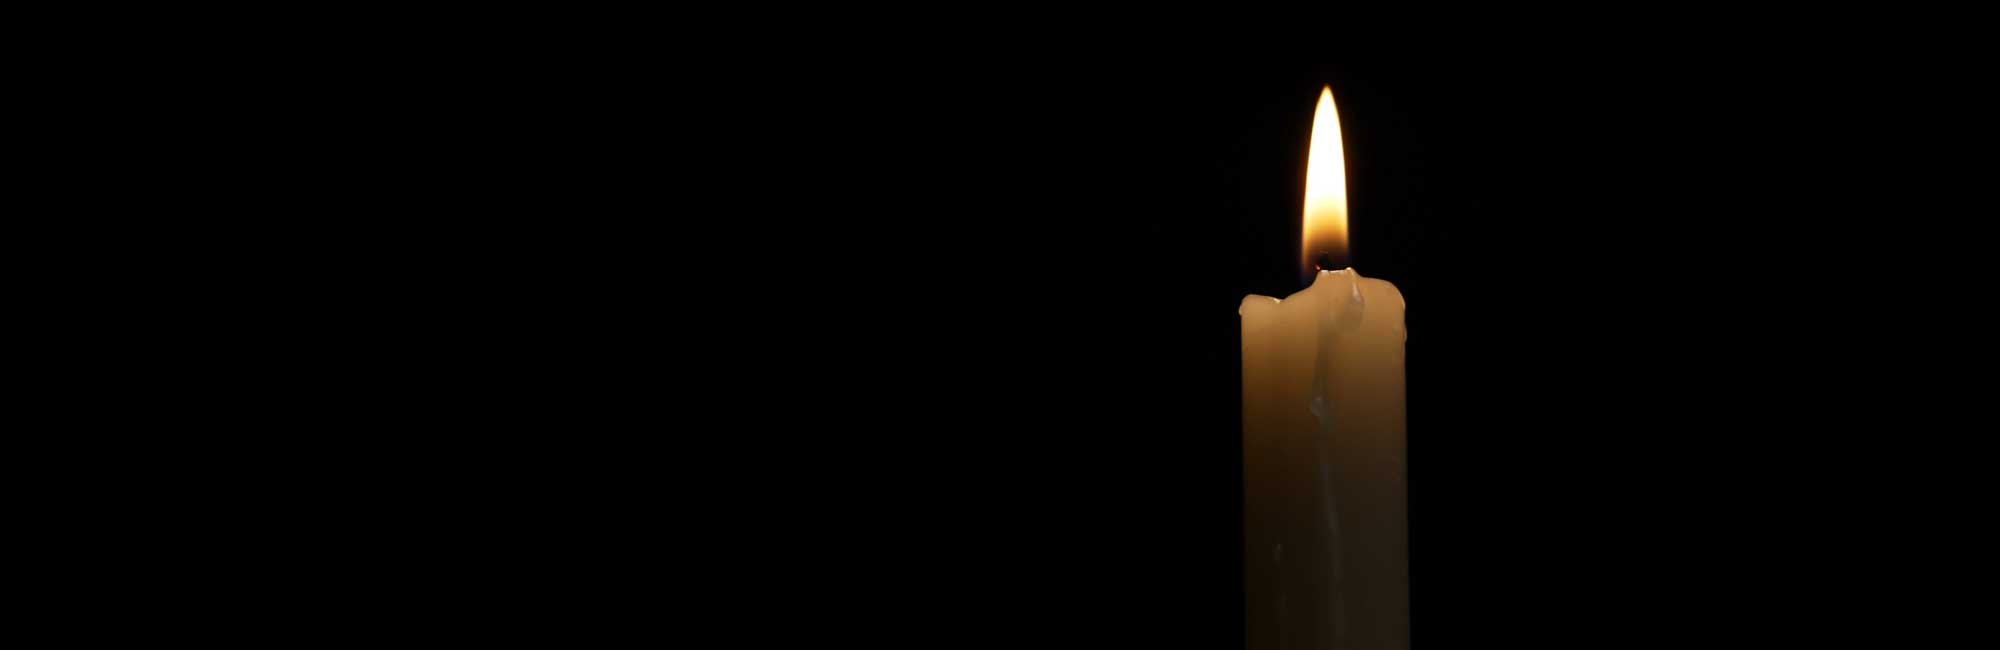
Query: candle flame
1326, 188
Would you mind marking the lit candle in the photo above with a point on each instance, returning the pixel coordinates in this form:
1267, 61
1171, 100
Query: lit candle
1325, 494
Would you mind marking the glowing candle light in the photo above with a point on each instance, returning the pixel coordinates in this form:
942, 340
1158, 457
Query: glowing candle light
1325, 493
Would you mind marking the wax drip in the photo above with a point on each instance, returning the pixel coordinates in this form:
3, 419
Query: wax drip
1347, 317
1341, 312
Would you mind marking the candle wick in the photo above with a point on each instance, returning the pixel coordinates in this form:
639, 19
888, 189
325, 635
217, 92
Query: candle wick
1326, 262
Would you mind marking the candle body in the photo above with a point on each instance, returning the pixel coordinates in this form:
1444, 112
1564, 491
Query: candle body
1325, 492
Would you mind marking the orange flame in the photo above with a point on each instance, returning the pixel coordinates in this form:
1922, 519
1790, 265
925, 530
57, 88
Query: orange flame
1326, 186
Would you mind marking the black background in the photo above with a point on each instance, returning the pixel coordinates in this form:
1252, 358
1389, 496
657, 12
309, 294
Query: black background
947, 351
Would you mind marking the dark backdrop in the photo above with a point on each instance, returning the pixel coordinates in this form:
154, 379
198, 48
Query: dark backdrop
947, 351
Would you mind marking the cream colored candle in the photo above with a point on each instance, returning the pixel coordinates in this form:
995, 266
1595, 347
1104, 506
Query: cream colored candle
1325, 494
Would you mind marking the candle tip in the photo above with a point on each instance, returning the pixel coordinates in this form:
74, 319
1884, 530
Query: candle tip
1326, 262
